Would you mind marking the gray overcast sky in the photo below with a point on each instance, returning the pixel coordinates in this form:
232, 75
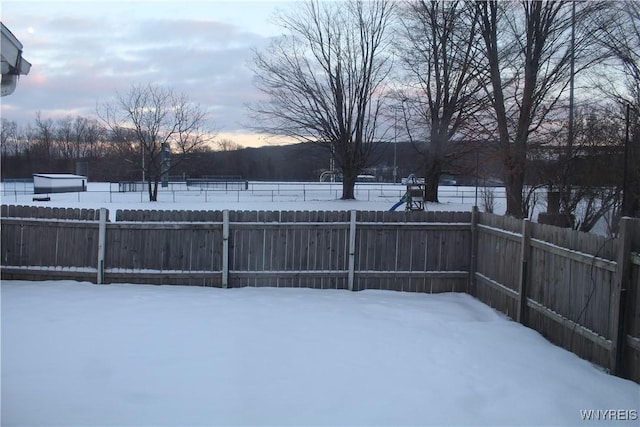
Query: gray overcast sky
82, 52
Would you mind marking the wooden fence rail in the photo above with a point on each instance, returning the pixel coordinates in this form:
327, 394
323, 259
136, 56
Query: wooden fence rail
581, 291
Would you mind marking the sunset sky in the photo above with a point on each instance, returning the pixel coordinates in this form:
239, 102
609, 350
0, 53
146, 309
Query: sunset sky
84, 52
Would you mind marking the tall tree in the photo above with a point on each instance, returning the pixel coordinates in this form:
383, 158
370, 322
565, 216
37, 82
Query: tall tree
9, 144
438, 48
323, 80
528, 55
156, 122
42, 141
584, 197
64, 138
619, 35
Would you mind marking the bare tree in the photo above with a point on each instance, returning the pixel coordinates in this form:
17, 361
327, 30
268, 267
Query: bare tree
42, 141
226, 144
162, 123
64, 138
619, 35
586, 197
323, 81
438, 49
528, 53
9, 142
89, 137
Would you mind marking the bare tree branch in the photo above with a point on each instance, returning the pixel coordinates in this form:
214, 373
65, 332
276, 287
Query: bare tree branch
445, 79
160, 122
324, 80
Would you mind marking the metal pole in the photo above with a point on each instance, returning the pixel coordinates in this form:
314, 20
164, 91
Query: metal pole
395, 145
352, 250
477, 167
102, 233
225, 248
625, 202
572, 78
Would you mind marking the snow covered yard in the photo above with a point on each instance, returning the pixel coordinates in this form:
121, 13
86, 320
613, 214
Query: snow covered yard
82, 354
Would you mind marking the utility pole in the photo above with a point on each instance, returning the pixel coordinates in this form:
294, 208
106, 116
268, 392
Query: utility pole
573, 70
625, 200
395, 144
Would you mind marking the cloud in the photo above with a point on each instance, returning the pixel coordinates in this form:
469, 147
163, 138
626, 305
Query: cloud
83, 54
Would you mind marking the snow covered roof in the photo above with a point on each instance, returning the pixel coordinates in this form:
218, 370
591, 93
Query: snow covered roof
59, 176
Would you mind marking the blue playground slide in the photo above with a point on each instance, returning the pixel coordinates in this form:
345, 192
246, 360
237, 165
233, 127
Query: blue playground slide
405, 199
397, 205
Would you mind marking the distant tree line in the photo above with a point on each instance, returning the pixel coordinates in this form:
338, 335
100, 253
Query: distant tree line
83, 145
101, 158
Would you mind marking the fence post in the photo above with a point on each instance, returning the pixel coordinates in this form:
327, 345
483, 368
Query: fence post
225, 248
623, 268
352, 249
102, 236
524, 271
474, 251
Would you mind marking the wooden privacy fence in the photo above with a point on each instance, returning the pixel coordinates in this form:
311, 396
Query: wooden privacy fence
578, 290
411, 251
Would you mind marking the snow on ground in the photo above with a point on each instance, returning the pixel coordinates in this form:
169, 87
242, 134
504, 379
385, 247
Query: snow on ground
275, 196
272, 196
81, 354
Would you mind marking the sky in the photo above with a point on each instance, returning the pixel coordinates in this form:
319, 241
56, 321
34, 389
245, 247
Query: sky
85, 52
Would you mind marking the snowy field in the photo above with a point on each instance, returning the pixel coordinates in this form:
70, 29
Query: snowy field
77, 354
277, 196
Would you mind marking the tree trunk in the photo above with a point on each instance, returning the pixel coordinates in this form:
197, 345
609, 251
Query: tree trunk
514, 183
150, 189
513, 191
155, 189
152, 186
433, 170
348, 185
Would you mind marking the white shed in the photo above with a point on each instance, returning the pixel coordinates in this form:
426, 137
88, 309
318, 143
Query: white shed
58, 183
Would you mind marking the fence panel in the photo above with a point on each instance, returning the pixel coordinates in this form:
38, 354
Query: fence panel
413, 251
498, 259
167, 252
579, 292
49, 242
42, 242
572, 274
289, 248
570, 281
